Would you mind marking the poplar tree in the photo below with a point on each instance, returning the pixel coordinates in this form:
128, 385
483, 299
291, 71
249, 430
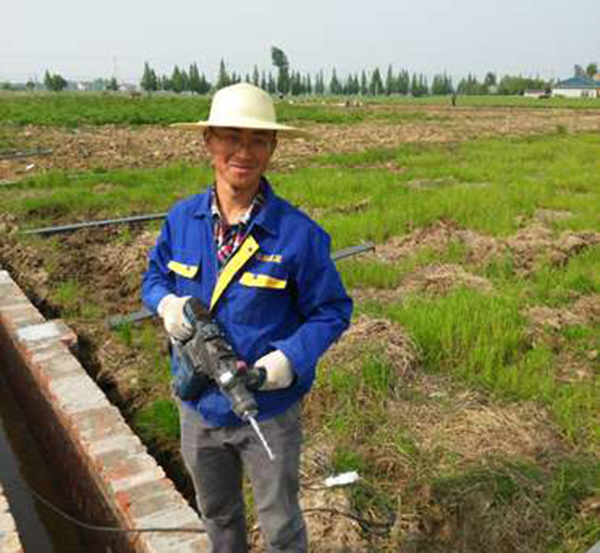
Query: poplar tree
194, 83
280, 61
177, 80
149, 80
308, 85
390, 82
113, 84
271, 84
334, 84
55, 82
223, 79
320, 83
364, 88
441, 85
376, 86
403, 82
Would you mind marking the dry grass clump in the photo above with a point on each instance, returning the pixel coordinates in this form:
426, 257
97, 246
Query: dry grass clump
586, 310
572, 365
436, 237
470, 516
131, 257
461, 428
529, 246
365, 334
479, 431
549, 215
439, 279
535, 243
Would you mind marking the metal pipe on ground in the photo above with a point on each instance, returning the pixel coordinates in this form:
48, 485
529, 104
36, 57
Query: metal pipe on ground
15, 154
47, 231
116, 321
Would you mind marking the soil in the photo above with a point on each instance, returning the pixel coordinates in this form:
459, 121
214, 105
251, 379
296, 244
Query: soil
461, 428
110, 147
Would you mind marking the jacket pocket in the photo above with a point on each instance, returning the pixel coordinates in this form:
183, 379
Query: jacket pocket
185, 263
257, 280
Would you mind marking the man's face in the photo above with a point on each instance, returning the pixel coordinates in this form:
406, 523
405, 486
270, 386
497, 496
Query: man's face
240, 156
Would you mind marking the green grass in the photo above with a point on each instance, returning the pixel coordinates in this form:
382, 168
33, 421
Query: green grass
61, 198
476, 342
72, 109
542, 506
484, 339
556, 286
506, 177
158, 419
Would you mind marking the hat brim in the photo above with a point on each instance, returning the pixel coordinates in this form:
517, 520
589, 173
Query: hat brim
282, 130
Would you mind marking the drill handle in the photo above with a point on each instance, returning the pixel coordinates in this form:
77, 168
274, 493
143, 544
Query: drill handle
196, 311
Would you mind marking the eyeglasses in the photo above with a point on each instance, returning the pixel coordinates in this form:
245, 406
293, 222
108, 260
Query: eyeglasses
233, 140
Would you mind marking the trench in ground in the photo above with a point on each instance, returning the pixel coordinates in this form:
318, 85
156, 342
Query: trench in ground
22, 468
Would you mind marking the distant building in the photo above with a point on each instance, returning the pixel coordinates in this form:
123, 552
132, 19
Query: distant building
578, 87
535, 94
128, 87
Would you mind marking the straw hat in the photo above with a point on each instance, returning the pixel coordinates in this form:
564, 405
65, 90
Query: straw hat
242, 106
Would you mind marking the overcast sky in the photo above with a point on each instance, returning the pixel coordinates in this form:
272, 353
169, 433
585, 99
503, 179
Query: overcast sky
81, 39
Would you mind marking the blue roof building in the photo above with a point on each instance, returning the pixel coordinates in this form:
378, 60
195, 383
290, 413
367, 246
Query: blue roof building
578, 87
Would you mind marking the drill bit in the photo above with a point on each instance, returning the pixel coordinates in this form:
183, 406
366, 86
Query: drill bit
261, 437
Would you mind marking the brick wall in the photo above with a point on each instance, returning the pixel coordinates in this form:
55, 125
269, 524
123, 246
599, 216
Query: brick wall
107, 471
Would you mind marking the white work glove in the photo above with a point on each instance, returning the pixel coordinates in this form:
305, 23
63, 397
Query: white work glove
278, 370
176, 324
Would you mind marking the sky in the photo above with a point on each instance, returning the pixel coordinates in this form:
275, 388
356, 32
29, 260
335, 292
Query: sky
83, 40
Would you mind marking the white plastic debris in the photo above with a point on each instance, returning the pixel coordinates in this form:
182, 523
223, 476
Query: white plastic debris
30, 167
342, 479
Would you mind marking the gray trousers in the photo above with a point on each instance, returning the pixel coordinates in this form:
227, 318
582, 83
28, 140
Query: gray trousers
215, 459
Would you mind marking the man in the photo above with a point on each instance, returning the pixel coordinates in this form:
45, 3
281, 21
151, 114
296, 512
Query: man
264, 270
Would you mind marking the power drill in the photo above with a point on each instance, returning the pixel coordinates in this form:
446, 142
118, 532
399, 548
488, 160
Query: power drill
208, 356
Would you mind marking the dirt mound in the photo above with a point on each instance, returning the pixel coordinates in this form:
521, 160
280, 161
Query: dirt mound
111, 146
438, 237
127, 261
483, 431
536, 243
572, 364
439, 279
586, 310
529, 246
366, 333
25, 263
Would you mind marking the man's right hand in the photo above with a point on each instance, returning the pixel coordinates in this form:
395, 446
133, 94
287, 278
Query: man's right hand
176, 323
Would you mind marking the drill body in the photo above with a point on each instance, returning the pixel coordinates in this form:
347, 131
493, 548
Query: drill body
206, 359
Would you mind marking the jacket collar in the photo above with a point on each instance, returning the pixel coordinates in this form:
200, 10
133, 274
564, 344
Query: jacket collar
267, 218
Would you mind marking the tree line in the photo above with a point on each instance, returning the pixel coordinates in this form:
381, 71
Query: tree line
286, 81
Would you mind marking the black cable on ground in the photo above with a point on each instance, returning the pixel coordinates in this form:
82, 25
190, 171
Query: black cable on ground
377, 528
96, 527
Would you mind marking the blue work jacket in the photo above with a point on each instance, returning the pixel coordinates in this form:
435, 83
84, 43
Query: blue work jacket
280, 290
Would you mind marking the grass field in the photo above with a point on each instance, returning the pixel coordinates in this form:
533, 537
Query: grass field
75, 109
466, 391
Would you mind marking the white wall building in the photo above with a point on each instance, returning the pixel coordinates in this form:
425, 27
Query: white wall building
577, 87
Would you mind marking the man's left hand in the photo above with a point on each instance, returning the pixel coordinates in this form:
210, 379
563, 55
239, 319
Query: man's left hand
278, 371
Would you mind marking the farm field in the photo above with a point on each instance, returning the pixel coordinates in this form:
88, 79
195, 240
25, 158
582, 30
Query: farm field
465, 392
